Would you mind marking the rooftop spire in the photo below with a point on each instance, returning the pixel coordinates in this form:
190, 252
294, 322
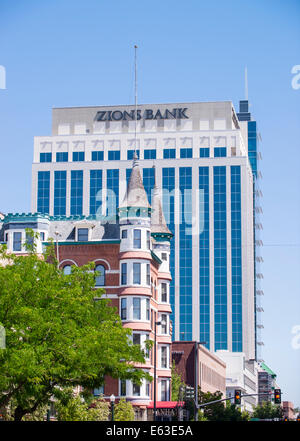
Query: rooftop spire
158, 221
136, 195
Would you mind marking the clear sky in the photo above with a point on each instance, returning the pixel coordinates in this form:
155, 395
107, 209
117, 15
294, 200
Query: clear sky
79, 53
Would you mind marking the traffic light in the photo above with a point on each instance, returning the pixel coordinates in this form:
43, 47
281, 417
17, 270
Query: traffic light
189, 393
277, 396
237, 396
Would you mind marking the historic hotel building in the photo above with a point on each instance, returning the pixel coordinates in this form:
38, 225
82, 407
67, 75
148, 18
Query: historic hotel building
132, 256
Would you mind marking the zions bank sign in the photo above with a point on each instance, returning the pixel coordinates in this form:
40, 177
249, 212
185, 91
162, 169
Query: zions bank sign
132, 115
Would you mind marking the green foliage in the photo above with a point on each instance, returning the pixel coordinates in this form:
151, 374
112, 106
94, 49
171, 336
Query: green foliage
124, 411
99, 410
219, 411
73, 410
57, 335
176, 382
267, 410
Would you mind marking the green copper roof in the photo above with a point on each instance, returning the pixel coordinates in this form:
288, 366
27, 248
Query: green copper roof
268, 370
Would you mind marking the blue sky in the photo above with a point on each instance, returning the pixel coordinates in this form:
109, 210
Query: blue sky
79, 53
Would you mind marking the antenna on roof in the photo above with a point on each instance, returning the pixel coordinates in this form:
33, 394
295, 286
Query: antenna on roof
135, 98
246, 83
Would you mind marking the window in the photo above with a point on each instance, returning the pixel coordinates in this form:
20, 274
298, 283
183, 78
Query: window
204, 152
6, 237
130, 154
220, 152
78, 156
124, 309
169, 153
99, 391
83, 234
136, 308
164, 293
164, 357
136, 238
124, 234
137, 273
164, 323
76, 192
67, 270
114, 155
147, 350
123, 388
45, 157
164, 390
62, 157
148, 240
148, 273
164, 256
42, 236
123, 273
186, 153
97, 155
17, 241
136, 339
148, 389
150, 154
136, 390
100, 279
29, 240
147, 309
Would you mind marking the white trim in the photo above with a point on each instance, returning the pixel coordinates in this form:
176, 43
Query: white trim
67, 260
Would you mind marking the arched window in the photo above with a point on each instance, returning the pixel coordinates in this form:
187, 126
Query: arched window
100, 278
67, 270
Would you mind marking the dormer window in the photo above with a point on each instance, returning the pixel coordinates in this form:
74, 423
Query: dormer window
83, 234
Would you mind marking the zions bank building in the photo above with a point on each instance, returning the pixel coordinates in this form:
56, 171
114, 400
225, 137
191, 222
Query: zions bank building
203, 157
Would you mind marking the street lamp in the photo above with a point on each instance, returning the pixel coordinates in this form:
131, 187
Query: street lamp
112, 403
154, 395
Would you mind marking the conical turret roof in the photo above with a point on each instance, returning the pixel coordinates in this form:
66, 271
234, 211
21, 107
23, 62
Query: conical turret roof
158, 221
136, 195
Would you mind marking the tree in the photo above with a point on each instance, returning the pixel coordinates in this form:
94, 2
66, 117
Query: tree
99, 410
57, 335
124, 411
267, 410
176, 382
219, 411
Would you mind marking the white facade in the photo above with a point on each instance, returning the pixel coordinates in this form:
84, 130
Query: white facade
199, 126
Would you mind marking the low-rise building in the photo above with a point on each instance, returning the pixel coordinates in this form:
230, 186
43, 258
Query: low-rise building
241, 374
199, 367
288, 410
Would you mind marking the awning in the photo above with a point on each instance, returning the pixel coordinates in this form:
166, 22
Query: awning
166, 404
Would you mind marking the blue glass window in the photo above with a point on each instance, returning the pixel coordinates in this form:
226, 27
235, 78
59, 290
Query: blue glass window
168, 200
130, 154
112, 185
17, 241
95, 191
136, 306
100, 278
186, 153
220, 152
124, 274
136, 273
204, 152
83, 234
60, 189
220, 258
114, 155
148, 181
150, 154
169, 153
185, 254
76, 192
45, 157
136, 238
62, 157
204, 285
43, 193
78, 156
236, 259
97, 155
